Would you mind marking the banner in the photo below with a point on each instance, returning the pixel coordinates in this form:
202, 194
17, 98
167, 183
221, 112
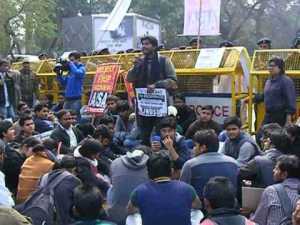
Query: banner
129, 89
116, 16
220, 102
209, 17
104, 84
152, 104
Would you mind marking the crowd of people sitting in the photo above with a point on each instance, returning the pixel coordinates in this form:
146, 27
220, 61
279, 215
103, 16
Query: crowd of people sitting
61, 165
97, 170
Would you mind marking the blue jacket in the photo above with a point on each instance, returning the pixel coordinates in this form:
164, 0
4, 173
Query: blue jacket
42, 126
73, 82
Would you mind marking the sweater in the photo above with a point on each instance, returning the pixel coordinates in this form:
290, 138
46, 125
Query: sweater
33, 168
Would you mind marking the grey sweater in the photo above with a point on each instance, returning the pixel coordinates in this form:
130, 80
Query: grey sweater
126, 174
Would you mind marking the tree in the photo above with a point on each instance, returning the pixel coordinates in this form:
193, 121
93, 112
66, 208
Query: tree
23, 21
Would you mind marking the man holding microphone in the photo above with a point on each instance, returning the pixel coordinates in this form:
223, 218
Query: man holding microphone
152, 71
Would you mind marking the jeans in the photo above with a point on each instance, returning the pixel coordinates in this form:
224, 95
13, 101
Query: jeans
74, 105
145, 126
7, 112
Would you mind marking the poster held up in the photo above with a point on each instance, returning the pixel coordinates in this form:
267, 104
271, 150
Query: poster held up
152, 104
104, 84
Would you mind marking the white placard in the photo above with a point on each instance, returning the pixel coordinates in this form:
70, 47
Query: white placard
152, 104
221, 105
210, 58
44, 135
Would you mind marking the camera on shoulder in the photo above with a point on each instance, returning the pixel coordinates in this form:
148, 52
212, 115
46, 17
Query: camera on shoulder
61, 65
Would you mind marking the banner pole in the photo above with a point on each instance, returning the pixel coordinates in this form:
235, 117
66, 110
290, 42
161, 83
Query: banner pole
199, 26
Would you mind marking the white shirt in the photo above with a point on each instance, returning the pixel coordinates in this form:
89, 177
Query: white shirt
72, 136
5, 196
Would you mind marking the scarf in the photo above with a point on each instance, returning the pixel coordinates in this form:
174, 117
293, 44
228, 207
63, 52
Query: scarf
155, 73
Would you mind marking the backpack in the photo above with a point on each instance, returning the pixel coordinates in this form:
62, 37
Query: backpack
40, 207
285, 203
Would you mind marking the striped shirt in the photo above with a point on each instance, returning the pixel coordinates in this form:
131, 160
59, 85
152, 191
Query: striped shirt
270, 211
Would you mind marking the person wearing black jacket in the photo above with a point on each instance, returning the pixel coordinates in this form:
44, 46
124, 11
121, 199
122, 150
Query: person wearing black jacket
221, 204
63, 193
86, 156
293, 132
13, 159
260, 169
185, 116
65, 133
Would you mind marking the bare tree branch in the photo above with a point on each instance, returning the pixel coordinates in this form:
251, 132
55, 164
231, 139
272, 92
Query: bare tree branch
234, 32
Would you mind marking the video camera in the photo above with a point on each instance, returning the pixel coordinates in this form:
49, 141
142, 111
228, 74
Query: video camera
61, 66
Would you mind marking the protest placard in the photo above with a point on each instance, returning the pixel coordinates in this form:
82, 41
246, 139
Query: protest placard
104, 84
152, 104
129, 89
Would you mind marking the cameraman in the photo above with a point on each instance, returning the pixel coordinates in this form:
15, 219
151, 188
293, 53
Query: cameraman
72, 82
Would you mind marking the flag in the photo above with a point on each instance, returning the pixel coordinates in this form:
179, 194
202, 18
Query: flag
116, 16
205, 12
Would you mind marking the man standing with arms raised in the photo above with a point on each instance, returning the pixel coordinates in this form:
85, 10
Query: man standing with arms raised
151, 71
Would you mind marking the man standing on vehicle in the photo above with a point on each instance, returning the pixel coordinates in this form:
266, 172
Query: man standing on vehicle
151, 71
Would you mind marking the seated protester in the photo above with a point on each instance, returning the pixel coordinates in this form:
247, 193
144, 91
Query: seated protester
86, 155
27, 146
41, 120
51, 145
111, 106
294, 135
260, 169
205, 122
173, 142
106, 156
60, 105
208, 163
13, 158
163, 201
220, 203
9, 216
22, 108
185, 115
238, 145
88, 203
27, 128
123, 124
107, 121
63, 192
87, 129
6, 199
49, 101
278, 201
110, 123
74, 117
65, 133
127, 172
266, 131
33, 168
